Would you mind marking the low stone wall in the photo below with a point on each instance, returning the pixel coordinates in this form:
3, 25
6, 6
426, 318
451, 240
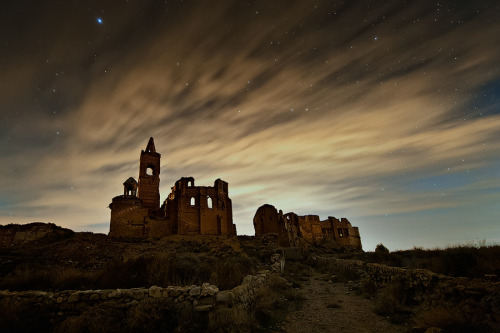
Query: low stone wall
201, 298
422, 284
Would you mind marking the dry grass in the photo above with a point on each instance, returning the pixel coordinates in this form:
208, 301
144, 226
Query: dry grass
145, 316
16, 317
100, 319
391, 302
455, 319
160, 269
274, 300
225, 319
461, 260
341, 274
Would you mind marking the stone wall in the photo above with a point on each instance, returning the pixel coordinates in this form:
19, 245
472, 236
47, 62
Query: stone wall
421, 284
200, 298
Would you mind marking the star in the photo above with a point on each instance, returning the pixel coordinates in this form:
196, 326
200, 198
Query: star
99, 20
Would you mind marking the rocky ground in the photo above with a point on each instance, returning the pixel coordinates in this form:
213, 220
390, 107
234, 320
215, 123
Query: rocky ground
335, 307
314, 301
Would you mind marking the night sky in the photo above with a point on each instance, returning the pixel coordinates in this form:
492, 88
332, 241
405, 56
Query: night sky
384, 112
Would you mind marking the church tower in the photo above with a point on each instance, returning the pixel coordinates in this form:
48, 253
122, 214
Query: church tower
149, 177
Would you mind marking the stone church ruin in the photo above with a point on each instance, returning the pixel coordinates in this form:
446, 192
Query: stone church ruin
188, 209
291, 229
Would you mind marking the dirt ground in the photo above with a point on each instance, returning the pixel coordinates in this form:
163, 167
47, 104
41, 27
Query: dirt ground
334, 307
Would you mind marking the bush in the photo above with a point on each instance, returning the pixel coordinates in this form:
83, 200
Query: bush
225, 319
229, 272
273, 300
152, 316
15, 317
101, 318
177, 269
455, 319
391, 301
381, 249
367, 287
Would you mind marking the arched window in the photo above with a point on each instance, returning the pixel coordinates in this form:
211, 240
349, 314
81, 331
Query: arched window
149, 171
193, 201
209, 202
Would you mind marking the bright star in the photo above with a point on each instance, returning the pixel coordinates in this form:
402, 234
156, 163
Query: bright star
99, 20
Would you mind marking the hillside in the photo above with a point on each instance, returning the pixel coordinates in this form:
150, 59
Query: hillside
316, 291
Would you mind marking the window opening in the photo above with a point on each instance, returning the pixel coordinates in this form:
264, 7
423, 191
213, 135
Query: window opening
193, 201
209, 202
149, 171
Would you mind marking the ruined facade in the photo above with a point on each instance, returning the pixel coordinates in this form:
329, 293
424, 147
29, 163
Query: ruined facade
188, 209
291, 228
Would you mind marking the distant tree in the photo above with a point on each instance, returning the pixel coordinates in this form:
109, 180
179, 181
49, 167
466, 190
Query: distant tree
381, 249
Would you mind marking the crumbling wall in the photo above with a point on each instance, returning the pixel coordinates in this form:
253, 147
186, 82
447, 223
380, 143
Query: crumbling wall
127, 217
268, 220
291, 228
310, 229
420, 284
159, 228
345, 234
201, 210
202, 298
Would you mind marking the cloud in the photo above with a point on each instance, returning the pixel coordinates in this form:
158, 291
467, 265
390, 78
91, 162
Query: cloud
315, 108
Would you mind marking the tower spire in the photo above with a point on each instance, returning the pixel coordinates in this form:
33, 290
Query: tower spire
149, 177
150, 148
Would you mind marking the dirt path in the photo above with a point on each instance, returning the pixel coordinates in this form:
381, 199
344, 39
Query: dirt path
332, 307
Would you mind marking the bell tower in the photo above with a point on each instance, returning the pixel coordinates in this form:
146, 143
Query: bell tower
149, 177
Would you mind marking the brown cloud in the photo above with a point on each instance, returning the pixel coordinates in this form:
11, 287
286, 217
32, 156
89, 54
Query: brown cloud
333, 108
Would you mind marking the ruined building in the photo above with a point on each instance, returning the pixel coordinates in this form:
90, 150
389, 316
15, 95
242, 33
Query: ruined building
188, 209
290, 229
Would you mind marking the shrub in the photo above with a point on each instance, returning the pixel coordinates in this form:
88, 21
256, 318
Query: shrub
293, 268
225, 319
273, 301
454, 319
367, 287
72, 278
25, 278
467, 261
391, 302
229, 272
276, 282
152, 316
101, 318
266, 302
16, 317
381, 249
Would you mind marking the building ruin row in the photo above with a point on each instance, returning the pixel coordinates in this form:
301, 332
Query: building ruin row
291, 229
207, 210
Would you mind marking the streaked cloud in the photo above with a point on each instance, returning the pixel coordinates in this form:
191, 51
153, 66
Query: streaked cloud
326, 108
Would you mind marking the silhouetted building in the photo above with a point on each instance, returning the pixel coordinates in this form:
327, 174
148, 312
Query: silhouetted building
189, 209
291, 228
